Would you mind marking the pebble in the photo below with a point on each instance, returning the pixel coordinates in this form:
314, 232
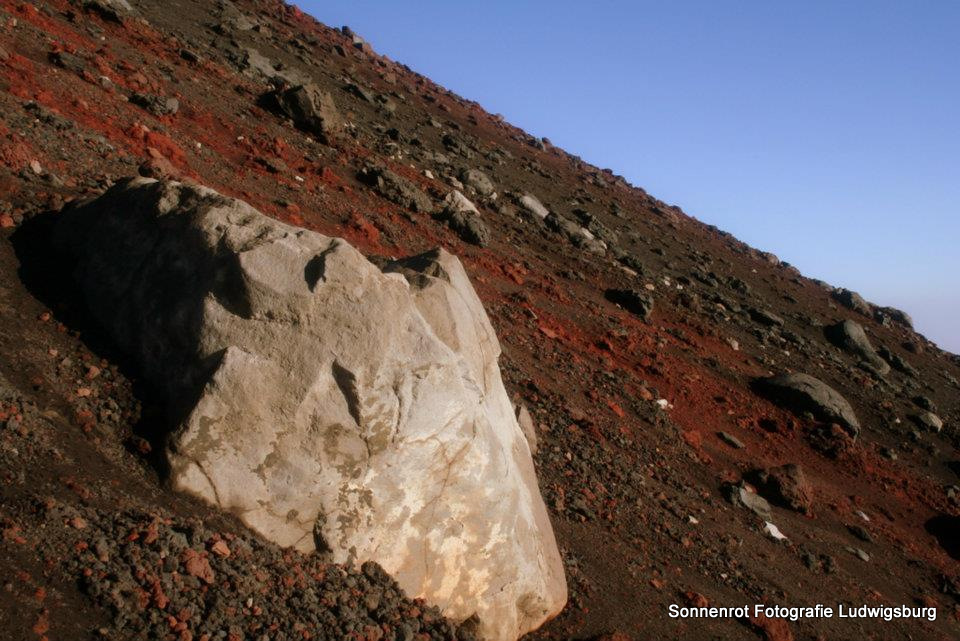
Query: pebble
731, 440
773, 531
860, 554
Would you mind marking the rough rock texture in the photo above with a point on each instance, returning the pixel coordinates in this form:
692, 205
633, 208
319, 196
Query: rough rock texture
109, 9
632, 300
527, 427
310, 109
897, 362
157, 105
397, 189
887, 315
740, 494
852, 300
930, 421
338, 406
849, 336
577, 235
766, 317
804, 393
785, 485
478, 181
463, 217
532, 205
620, 473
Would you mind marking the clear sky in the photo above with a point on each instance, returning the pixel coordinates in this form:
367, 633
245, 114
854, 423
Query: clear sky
827, 132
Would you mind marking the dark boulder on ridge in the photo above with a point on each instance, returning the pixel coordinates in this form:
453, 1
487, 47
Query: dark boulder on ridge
802, 393
849, 336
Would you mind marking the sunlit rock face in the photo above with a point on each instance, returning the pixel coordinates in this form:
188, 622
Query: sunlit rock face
328, 403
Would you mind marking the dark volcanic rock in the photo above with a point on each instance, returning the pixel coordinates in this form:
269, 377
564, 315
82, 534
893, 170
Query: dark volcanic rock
68, 61
849, 336
577, 235
478, 181
853, 300
765, 317
311, 110
109, 9
886, 315
803, 393
632, 300
830, 440
185, 556
470, 228
897, 362
157, 105
396, 188
785, 485
462, 217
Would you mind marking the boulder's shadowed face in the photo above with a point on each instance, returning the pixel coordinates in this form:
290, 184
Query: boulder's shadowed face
946, 529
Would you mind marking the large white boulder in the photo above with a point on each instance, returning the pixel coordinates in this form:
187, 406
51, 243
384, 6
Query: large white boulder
332, 405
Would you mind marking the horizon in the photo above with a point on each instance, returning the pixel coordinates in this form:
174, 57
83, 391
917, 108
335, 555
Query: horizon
823, 134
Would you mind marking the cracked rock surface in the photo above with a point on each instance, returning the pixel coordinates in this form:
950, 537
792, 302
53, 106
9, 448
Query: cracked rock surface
338, 407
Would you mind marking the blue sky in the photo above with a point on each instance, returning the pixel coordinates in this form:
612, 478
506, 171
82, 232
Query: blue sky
825, 132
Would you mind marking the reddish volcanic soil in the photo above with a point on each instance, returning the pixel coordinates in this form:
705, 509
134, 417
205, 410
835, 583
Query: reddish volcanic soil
637, 489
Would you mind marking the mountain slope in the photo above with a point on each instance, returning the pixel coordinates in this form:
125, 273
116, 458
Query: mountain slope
646, 422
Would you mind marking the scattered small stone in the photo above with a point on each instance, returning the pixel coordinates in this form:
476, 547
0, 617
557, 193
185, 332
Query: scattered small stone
739, 494
930, 421
190, 56
731, 440
859, 532
860, 554
785, 485
157, 105
220, 549
831, 440
196, 564
68, 61
766, 317
773, 531
396, 188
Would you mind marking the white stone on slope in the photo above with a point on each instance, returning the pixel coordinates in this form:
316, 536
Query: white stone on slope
339, 406
534, 206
